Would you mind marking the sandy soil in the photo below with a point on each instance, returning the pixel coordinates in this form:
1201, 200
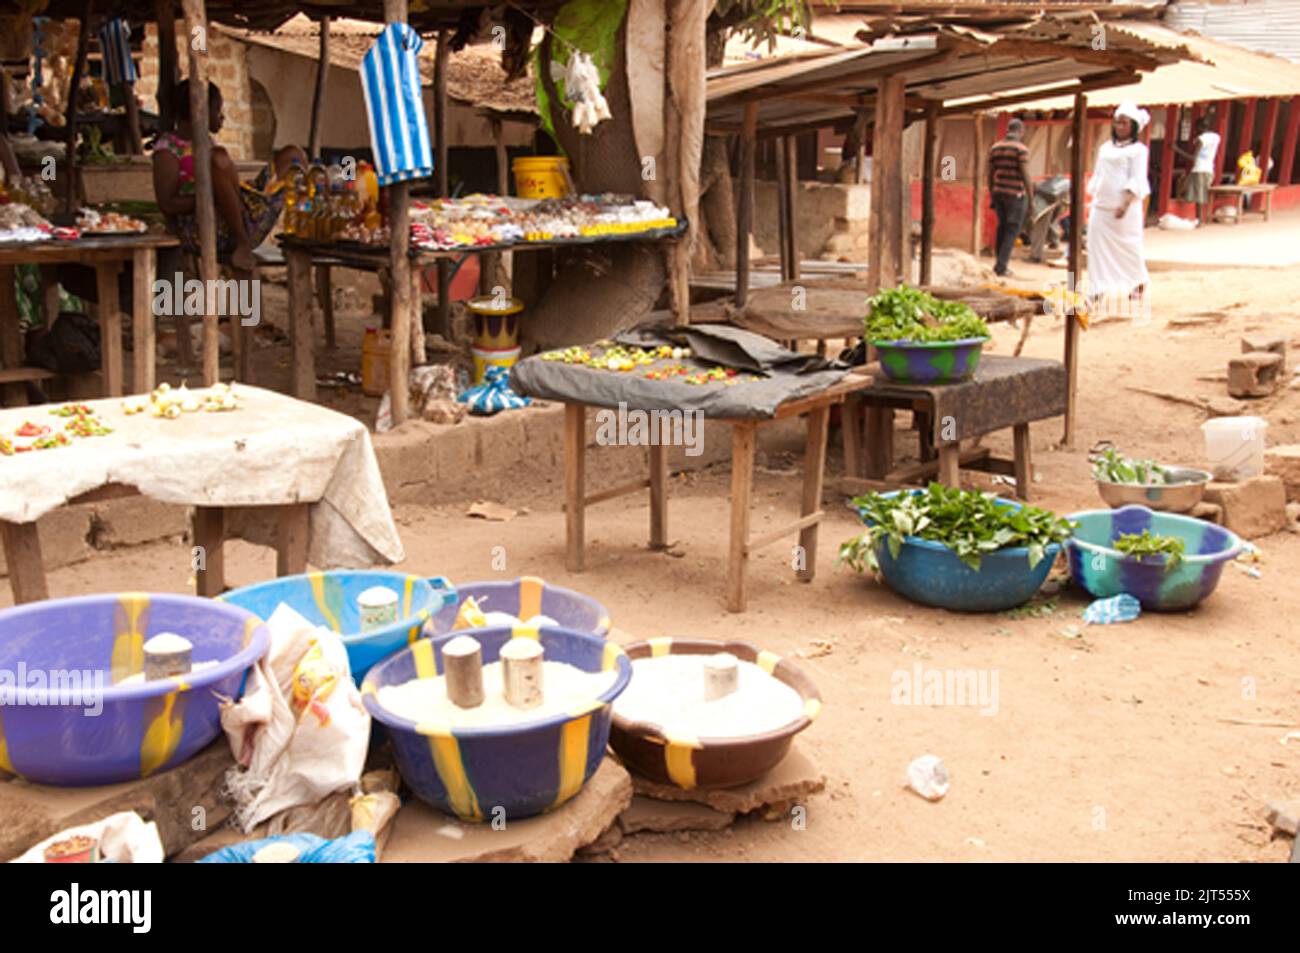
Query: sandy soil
1123, 744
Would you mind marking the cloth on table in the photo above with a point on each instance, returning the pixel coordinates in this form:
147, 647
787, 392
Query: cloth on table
273, 450
781, 375
493, 395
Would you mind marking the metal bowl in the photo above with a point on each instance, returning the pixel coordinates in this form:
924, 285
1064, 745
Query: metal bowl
1179, 496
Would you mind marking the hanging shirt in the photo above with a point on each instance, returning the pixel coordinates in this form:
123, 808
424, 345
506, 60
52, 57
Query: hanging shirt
1119, 169
1207, 147
1004, 162
115, 40
399, 131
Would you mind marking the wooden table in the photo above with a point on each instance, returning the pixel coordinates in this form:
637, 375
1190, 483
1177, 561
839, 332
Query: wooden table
106, 256
815, 407
1242, 195
1005, 392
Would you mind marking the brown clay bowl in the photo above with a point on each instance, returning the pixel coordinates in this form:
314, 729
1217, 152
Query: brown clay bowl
711, 762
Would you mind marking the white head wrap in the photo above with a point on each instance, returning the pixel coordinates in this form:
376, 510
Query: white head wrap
1131, 110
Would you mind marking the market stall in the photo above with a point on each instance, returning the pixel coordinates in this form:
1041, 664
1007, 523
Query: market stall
311, 469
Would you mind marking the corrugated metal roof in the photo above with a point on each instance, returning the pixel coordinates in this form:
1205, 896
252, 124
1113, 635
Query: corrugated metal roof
956, 66
1225, 71
1268, 26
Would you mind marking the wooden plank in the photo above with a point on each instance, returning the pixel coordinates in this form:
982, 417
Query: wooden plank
613, 492
575, 480
1023, 461
659, 493
880, 440
110, 328
298, 266
196, 24
745, 205
887, 187
318, 99
209, 533
144, 330
23, 559
927, 193
814, 476
773, 535
293, 532
1075, 268
742, 485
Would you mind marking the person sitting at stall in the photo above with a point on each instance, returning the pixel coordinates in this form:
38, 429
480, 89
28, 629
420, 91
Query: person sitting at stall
246, 212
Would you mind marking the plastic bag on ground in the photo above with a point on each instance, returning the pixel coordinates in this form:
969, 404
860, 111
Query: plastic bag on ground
355, 848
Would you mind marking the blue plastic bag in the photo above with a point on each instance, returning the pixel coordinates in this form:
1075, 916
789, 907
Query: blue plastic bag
356, 848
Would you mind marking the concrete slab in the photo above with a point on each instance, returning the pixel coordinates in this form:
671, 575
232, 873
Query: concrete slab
185, 802
423, 835
789, 783
663, 817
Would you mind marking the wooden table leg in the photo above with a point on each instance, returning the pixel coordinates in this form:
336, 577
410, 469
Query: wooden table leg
209, 534
742, 485
22, 548
880, 442
814, 473
950, 464
659, 491
575, 484
300, 330
325, 292
11, 337
1024, 470
291, 539
110, 326
851, 427
144, 360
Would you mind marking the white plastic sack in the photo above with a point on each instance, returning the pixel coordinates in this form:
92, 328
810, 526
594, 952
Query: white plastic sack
1172, 222
294, 751
124, 838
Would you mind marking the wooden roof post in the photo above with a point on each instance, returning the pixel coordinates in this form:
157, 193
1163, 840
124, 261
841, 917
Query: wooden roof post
442, 148
79, 68
1265, 157
1287, 164
790, 166
885, 259
196, 30
927, 191
399, 265
318, 100
165, 14
745, 207
977, 216
1167, 154
1078, 125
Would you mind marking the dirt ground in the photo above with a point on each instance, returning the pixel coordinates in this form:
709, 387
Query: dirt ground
1132, 742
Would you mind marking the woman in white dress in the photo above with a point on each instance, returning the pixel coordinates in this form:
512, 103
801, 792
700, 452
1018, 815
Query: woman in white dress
1117, 269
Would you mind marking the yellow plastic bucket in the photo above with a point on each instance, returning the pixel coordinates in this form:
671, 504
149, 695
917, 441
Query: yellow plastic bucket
485, 358
541, 177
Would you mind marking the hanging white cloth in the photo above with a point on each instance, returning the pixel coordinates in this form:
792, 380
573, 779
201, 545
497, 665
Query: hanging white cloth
1116, 261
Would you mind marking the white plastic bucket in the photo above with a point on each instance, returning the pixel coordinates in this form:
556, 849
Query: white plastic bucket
1234, 447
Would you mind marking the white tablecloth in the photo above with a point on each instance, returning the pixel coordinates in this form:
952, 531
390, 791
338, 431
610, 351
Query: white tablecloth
273, 450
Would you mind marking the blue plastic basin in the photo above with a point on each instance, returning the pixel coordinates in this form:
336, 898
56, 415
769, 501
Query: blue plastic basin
330, 599
524, 598
51, 732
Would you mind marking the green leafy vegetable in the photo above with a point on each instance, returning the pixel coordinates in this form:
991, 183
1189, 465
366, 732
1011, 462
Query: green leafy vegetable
909, 314
1145, 544
1113, 467
968, 522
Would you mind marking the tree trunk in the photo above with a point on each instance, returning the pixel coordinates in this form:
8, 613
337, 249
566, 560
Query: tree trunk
599, 289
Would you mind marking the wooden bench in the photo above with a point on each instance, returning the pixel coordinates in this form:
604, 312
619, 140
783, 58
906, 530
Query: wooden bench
1242, 194
1005, 392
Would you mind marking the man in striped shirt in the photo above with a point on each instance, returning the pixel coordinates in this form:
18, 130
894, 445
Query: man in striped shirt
1009, 189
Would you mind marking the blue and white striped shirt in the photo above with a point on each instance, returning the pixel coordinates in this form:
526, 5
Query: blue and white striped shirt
115, 41
399, 130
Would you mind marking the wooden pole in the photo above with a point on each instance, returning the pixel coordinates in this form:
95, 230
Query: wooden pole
1246, 132
745, 207
318, 101
165, 15
399, 265
927, 192
1225, 112
7, 156
860, 158
132, 119
70, 137
791, 201
196, 20
1287, 164
443, 146
885, 258
783, 224
1265, 156
1167, 160
1079, 125
977, 219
